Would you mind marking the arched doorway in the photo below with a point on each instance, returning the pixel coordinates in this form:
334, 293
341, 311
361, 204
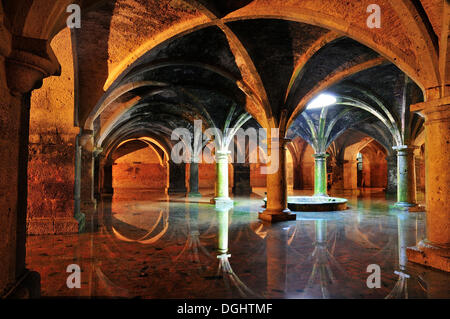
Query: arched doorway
139, 167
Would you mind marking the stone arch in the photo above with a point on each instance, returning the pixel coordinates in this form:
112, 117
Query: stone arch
350, 181
147, 160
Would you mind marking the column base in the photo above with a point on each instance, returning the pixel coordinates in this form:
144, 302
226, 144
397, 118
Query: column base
242, 191
194, 194
409, 207
276, 216
176, 191
222, 202
321, 195
430, 255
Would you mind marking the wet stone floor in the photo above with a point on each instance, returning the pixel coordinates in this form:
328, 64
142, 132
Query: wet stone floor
154, 248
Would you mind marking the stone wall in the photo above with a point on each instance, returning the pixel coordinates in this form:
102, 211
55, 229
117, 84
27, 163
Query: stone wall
52, 149
141, 169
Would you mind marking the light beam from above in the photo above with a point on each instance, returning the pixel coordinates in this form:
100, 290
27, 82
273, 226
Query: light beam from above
322, 100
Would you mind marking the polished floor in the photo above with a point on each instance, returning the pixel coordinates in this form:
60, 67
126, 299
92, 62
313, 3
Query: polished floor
149, 247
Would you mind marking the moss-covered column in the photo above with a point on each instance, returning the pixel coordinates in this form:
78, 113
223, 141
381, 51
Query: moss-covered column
277, 209
406, 176
320, 174
221, 188
391, 187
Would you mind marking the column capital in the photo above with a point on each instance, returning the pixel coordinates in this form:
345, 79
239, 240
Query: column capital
279, 142
195, 159
321, 155
405, 149
222, 156
391, 157
85, 138
98, 152
434, 110
29, 62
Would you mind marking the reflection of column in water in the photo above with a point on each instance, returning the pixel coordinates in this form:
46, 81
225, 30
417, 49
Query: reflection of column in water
402, 258
323, 260
224, 270
276, 250
222, 235
321, 231
400, 289
193, 246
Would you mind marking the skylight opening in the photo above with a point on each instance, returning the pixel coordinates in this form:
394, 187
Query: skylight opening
323, 100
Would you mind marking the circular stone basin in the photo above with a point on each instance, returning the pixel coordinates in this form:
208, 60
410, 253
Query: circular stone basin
315, 203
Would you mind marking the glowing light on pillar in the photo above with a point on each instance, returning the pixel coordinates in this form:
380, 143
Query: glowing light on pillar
323, 100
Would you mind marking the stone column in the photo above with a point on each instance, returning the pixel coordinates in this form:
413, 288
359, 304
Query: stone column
391, 174
320, 174
277, 209
24, 63
193, 179
350, 179
177, 178
435, 250
85, 203
107, 179
298, 178
222, 197
406, 176
242, 185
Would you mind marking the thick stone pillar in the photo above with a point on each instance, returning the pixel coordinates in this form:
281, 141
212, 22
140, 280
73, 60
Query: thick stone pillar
85, 203
23, 64
221, 197
435, 250
177, 178
242, 185
104, 178
277, 209
391, 187
350, 179
406, 176
193, 179
298, 178
320, 175
107, 179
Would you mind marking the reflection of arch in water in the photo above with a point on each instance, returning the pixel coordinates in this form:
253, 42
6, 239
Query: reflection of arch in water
193, 245
224, 269
147, 239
